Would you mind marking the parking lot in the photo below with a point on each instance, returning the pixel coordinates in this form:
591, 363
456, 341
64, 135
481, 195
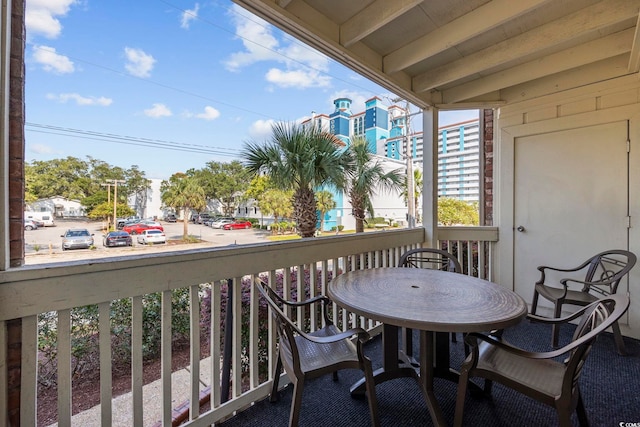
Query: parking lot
44, 244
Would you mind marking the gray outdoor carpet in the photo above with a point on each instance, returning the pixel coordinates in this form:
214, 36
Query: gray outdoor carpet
610, 385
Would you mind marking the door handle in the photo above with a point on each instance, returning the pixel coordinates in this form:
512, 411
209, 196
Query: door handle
521, 229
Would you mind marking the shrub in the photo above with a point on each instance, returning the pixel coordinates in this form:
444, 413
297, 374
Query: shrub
84, 334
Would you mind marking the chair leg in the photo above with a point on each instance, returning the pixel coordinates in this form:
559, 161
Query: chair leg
461, 397
617, 336
555, 330
408, 342
296, 403
335, 375
534, 303
371, 393
276, 380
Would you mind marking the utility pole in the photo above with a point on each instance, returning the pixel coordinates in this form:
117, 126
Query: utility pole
115, 183
411, 205
108, 185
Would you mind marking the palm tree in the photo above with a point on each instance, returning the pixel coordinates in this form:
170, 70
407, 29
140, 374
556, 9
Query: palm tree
301, 159
366, 175
183, 192
324, 203
417, 189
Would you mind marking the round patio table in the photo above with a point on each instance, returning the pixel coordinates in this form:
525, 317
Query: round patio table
432, 301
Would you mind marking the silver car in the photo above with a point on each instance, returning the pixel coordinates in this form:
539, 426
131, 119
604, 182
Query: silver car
76, 238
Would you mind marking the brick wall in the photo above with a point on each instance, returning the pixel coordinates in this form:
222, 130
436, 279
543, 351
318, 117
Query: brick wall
16, 199
488, 166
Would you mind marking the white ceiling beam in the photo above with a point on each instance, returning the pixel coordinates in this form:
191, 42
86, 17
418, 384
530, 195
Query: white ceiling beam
634, 58
373, 17
464, 28
601, 73
593, 18
597, 50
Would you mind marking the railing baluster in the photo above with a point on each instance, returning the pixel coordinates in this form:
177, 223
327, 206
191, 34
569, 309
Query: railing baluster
136, 359
272, 333
214, 342
194, 351
236, 358
64, 368
313, 291
253, 335
165, 346
104, 334
300, 286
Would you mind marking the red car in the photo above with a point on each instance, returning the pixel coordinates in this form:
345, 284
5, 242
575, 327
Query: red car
237, 225
140, 227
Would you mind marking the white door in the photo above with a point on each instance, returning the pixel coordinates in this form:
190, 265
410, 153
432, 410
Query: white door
570, 202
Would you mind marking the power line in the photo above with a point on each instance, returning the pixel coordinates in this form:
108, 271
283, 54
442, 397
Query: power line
129, 140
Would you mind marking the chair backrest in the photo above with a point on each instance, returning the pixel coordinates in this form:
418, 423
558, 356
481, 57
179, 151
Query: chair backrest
287, 329
430, 258
595, 318
608, 267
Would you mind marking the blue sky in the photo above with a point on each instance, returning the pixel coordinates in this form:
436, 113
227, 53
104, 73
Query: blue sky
169, 85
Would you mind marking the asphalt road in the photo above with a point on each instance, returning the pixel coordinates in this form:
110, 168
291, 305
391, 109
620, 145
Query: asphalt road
44, 244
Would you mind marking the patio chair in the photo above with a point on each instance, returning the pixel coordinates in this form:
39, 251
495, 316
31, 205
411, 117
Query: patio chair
432, 259
538, 375
603, 273
309, 355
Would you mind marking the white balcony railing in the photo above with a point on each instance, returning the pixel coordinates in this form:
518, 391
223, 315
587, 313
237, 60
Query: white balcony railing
56, 291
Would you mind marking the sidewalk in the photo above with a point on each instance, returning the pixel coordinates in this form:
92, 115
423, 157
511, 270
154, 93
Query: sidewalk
122, 406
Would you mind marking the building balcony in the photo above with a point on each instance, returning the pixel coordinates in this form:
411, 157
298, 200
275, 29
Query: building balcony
49, 298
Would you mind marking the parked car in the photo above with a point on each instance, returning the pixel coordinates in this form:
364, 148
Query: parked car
117, 238
77, 238
237, 225
30, 225
149, 222
152, 236
38, 222
170, 218
121, 222
138, 228
200, 218
221, 222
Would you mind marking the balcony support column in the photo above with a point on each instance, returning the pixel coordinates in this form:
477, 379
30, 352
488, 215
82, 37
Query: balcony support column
430, 175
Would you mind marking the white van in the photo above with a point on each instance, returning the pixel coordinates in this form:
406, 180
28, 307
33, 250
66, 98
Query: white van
44, 217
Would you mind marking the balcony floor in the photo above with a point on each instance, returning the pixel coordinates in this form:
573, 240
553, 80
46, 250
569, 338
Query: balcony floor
609, 384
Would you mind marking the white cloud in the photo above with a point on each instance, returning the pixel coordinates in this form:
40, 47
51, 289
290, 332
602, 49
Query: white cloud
301, 79
140, 63
189, 15
157, 111
41, 16
303, 66
210, 113
81, 100
40, 149
52, 61
261, 129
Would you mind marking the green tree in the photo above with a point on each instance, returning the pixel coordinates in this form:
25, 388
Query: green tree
367, 176
417, 188
324, 203
457, 212
104, 211
224, 183
276, 203
301, 159
183, 192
